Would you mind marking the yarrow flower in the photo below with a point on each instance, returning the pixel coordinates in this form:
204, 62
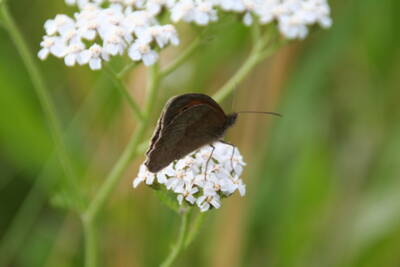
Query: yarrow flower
96, 33
104, 28
187, 177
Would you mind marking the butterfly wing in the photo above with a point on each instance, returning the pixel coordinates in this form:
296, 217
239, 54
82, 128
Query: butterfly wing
191, 129
177, 105
156, 133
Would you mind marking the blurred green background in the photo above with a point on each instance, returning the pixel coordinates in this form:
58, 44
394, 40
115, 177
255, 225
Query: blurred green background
323, 181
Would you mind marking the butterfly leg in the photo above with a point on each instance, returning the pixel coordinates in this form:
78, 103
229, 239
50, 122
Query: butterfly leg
233, 153
208, 160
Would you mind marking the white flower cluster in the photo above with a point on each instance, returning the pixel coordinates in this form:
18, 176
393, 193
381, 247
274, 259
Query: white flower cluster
187, 178
96, 33
104, 28
293, 16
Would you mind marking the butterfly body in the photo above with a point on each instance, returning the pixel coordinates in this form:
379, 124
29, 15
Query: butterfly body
187, 122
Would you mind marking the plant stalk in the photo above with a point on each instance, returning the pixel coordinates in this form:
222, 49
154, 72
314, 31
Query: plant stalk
44, 99
188, 52
180, 243
125, 93
262, 47
194, 229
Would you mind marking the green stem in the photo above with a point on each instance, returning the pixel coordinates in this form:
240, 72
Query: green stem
126, 69
262, 47
113, 178
239, 76
267, 52
180, 243
43, 96
125, 93
115, 175
90, 243
194, 229
151, 90
182, 58
255, 32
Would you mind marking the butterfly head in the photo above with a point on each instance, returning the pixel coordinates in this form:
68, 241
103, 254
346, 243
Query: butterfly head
230, 120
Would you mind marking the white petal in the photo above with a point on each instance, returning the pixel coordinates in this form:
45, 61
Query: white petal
105, 55
70, 2
180, 199
179, 187
200, 200
161, 178
325, 22
84, 57
150, 179
150, 58
216, 203
89, 34
43, 53
153, 8
50, 27
58, 50
175, 40
137, 181
70, 60
202, 19
248, 19
95, 63
111, 48
205, 207
191, 199
242, 189
134, 54
194, 190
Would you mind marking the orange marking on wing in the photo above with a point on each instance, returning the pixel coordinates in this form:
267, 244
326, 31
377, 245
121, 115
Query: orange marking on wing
200, 102
194, 103
191, 104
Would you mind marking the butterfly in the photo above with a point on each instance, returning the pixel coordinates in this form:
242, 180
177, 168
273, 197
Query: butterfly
187, 123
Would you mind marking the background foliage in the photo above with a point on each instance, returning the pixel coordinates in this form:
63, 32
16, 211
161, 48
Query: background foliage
323, 181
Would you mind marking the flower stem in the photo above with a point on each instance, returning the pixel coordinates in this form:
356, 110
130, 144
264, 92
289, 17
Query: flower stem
180, 243
194, 229
126, 69
182, 58
100, 199
239, 76
257, 54
151, 90
90, 243
113, 178
125, 93
43, 96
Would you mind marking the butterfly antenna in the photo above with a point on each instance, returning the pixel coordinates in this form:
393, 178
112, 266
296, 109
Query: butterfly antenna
261, 112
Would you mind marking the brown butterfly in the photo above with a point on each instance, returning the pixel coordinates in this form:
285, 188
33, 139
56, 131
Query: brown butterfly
187, 122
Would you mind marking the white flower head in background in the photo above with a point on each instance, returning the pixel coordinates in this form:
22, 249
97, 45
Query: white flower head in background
104, 28
97, 32
187, 178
